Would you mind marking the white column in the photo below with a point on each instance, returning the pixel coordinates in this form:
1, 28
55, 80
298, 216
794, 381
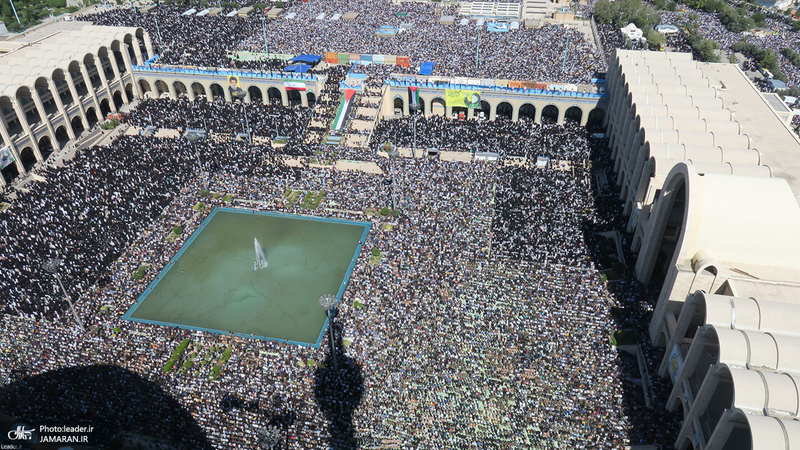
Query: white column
126, 59
14, 151
42, 113
137, 52
90, 88
77, 98
61, 108
102, 74
113, 60
25, 126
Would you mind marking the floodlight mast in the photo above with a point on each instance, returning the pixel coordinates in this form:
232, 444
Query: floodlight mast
328, 302
51, 265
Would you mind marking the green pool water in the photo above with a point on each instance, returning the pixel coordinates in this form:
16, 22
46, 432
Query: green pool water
210, 283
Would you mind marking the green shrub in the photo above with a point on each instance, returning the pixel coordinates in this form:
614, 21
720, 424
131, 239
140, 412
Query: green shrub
227, 198
385, 211
168, 365
215, 371
180, 349
117, 330
188, 365
279, 4
376, 252
177, 231
203, 192
603, 278
226, 355
357, 304
138, 274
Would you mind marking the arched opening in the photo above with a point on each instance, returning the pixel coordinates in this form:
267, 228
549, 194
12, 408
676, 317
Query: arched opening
91, 68
144, 86
116, 49
255, 94
527, 111
118, 101
91, 116
105, 109
59, 79
77, 125
161, 88
294, 97
105, 63
129, 90
311, 98
48, 101
485, 111
10, 172
77, 79
45, 146
61, 135
28, 107
217, 93
438, 106
595, 120
720, 400
198, 90
179, 88
673, 227
27, 158
550, 114
504, 109
459, 112
397, 106
274, 96
573, 114
13, 125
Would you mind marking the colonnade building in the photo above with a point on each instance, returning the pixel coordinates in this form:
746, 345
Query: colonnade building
709, 172
56, 84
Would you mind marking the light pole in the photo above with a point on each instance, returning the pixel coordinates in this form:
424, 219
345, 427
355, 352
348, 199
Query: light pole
51, 265
264, 30
328, 302
392, 152
194, 139
414, 109
246, 124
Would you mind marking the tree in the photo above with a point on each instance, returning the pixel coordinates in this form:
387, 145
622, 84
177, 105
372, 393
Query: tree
659, 4
759, 18
603, 12
672, 6
655, 39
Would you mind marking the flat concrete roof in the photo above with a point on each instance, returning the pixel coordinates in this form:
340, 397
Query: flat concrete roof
779, 145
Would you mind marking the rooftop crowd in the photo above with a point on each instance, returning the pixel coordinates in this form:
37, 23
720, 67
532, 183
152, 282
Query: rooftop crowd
549, 53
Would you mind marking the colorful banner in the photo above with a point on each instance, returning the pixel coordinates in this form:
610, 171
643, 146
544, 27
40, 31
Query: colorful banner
344, 109
237, 93
463, 98
414, 92
6, 157
294, 86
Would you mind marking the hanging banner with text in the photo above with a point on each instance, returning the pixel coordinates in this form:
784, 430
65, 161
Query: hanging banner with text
463, 98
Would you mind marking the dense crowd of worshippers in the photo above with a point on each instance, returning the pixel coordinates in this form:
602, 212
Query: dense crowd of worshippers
548, 53
268, 121
484, 324
523, 138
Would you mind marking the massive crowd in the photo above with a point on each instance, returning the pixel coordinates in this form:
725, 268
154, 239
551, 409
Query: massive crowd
484, 325
550, 53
